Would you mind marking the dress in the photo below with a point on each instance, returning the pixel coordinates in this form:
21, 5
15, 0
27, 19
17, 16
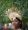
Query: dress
17, 29
5, 28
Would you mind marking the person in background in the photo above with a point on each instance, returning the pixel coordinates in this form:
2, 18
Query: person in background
0, 26
5, 27
17, 24
9, 25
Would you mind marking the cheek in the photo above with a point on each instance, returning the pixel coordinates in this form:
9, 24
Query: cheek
14, 23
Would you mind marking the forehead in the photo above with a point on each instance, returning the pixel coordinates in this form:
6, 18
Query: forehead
15, 20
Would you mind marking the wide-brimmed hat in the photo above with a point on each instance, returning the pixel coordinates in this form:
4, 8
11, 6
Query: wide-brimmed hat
12, 14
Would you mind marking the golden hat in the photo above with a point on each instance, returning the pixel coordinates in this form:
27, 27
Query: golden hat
12, 13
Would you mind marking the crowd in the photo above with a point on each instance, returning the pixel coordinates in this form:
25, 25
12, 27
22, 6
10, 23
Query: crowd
16, 25
9, 25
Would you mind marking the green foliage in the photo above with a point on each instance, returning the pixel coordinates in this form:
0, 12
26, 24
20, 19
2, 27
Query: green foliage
4, 5
22, 5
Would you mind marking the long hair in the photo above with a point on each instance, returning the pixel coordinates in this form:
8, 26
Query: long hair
19, 24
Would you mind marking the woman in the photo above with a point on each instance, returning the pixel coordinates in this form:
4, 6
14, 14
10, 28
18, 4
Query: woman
5, 27
17, 24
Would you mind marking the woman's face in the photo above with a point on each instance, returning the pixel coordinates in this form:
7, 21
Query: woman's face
15, 22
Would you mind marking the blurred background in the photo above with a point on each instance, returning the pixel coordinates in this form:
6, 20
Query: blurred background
22, 5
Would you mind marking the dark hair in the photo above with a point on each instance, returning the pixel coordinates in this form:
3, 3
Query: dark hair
18, 19
19, 23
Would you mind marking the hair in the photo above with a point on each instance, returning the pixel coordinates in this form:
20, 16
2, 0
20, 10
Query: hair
19, 25
18, 19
